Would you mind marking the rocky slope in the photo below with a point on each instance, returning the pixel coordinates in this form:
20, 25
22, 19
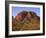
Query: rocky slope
26, 20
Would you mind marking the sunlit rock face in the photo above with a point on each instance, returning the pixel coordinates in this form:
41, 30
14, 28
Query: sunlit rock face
25, 14
18, 18
21, 16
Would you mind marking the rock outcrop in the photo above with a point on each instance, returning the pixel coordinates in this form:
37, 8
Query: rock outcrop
26, 20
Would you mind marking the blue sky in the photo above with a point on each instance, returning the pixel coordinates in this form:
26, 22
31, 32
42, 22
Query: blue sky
16, 10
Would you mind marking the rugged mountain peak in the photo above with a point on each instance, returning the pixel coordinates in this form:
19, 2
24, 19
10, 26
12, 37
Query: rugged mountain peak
25, 14
26, 20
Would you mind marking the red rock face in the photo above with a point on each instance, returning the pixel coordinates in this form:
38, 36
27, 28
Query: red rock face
24, 14
18, 18
21, 16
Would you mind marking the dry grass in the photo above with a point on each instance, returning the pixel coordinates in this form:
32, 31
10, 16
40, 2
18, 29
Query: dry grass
34, 24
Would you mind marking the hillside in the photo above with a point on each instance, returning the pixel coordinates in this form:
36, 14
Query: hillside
26, 21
